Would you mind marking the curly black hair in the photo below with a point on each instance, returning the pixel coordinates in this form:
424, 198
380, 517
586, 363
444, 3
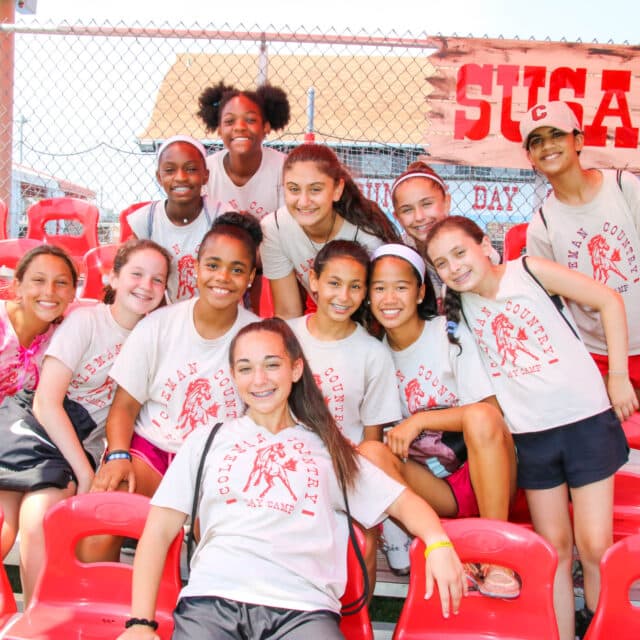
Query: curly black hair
272, 102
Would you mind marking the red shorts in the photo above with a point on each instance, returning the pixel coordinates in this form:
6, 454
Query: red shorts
460, 483
156, 458
634, 367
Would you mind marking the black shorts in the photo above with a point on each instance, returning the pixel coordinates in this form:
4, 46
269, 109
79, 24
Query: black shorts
576, 454
213, 618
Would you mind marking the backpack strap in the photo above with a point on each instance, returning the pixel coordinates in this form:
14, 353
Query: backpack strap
196, 492
544, 220
619, 179
555, 298
355, 237
205, 208
150, 215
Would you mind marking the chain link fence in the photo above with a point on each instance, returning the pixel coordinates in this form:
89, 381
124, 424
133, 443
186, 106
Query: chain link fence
92, 103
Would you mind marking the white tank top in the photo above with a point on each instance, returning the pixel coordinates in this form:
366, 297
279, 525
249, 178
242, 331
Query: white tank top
542, 373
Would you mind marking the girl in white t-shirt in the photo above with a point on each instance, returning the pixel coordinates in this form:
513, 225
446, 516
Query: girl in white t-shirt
178, 223
352, 369
278, 511
173, 375
460, 458
322, 203
569, 440
55, 454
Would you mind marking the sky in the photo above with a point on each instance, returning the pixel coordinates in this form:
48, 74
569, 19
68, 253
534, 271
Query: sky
615, 20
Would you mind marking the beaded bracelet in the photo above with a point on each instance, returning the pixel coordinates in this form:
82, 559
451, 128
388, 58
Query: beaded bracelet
437, 545
141, 621
117, 454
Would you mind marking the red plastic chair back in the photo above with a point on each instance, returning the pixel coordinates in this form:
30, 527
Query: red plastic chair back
615, 616
632, 430
529, 616
97, 264
67, 214
3, 220
358, 625
73, 599
125, 229
515, 241
11, 251
7, 601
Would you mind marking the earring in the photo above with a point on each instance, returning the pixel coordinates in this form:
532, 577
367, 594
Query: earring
420, 301
249, 285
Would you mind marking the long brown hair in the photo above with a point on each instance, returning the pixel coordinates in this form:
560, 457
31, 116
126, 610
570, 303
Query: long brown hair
306, 401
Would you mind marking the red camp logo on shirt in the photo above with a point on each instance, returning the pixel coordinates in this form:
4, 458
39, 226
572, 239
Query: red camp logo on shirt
198, 407
186, 277
97, 396
507, 344
603, 259
271, 464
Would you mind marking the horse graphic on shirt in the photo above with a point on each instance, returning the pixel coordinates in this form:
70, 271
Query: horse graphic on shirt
197, 408
603, 263
186, 277
270, 464
96, 396
509, 345
414, 395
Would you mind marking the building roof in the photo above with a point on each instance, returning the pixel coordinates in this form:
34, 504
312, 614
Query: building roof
357, 98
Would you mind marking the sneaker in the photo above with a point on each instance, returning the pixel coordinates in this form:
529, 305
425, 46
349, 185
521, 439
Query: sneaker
395, 545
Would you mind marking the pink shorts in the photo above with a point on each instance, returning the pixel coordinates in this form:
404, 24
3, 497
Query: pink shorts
460, 483
151, 455
634, 367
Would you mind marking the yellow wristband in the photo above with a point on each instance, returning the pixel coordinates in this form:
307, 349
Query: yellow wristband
437, 545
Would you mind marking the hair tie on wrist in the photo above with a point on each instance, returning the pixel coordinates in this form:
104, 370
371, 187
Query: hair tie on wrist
141, 621
451, 326
437, 545
117, 454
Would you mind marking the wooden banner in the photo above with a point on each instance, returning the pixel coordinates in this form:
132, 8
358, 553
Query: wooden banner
482, 88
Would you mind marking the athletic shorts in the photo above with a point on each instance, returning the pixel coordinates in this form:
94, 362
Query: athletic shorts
462, 489
214, 618
576, 454
153, 456
634, 367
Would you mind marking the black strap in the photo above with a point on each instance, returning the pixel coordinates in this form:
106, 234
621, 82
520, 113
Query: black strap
544, 221
619, 179
196, 492
351, 608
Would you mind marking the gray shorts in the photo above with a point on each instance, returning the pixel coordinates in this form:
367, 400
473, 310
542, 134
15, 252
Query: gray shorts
213, 618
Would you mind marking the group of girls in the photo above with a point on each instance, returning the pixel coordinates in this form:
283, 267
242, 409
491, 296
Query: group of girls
206, 358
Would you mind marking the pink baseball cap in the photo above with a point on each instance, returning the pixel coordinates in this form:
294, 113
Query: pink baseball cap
556, 114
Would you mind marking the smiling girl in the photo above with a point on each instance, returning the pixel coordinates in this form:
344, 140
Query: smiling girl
179, 222
569, 439
290, 443
323, 203
54, 455
173, 375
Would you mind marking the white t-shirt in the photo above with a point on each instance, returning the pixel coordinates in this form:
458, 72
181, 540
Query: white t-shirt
182, 242
602, 240
19, 366
541, 371
286, 247
274, 528
261, 195
433, 373
87, 342
355, 376
181, 379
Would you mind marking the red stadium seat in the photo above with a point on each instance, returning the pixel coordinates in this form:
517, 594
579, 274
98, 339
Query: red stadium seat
73, 599
67, 214
615, 616
515, 241
11, 251
632, 430
3, 220
8, 607
358, 625
97, 263
125, 229
529, 616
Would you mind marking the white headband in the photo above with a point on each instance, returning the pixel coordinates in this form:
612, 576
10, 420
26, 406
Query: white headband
404, 252
189, 140
408, 176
